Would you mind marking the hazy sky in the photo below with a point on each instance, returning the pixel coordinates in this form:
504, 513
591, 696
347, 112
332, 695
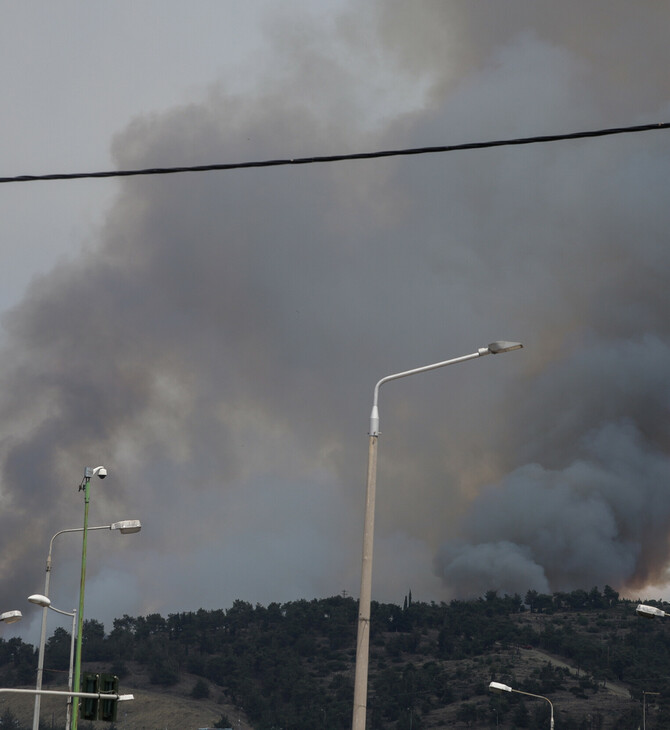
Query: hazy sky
214, 339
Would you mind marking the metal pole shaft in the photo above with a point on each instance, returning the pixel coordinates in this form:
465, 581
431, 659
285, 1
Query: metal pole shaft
363, 640
58, 693
68, 709
540, 697
80, 613
43, 639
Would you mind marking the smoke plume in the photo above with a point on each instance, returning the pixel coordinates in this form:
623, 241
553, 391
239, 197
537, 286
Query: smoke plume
217, 344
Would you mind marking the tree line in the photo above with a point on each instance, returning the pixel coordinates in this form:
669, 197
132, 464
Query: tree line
290, 665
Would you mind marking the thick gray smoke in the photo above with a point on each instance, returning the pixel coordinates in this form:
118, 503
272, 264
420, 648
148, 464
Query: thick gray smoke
604, 517
217, 346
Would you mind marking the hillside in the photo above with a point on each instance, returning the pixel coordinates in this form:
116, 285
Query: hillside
156, 708
291, 665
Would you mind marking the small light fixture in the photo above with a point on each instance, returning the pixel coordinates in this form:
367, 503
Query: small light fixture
499, 687
126, 527
39, 600
503, 346
649, 611
11, 617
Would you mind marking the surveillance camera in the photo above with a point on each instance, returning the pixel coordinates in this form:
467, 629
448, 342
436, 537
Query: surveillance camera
101, 472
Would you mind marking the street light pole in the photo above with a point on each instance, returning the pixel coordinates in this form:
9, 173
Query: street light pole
646, 611
499, 687
45, 602
363, 638
85, 485
70, 674
124, 527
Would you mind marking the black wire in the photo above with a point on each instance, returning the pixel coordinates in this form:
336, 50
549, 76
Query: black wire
338, 158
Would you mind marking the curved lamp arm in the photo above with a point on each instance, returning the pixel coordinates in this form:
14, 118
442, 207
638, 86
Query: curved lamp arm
499, 687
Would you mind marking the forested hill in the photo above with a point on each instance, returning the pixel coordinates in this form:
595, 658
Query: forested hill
291, 665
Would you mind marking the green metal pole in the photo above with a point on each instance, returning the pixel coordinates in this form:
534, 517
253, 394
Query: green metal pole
86, 486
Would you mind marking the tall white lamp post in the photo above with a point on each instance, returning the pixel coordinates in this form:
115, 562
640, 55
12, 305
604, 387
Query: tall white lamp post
499, 687
40, 600
363, 639
125, 527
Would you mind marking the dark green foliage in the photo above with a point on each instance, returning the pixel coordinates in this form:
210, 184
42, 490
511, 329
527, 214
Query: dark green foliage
93, 641
57, 654
120, 669
8, 721
18, 662
521, 716
200, 690
610, 595
163, 671
291, 665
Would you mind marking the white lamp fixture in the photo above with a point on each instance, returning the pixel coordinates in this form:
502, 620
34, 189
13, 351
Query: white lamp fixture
502, 346
649, 611
11, 617
498, 687
39, 600
126, 527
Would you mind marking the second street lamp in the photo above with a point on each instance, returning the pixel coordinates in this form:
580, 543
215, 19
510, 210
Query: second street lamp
363, 638
39, 600
124, 527
499, 687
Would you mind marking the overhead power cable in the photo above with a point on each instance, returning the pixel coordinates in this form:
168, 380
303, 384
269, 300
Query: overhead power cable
339, 158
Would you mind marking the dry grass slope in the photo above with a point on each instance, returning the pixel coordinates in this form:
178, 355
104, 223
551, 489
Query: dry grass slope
153, 708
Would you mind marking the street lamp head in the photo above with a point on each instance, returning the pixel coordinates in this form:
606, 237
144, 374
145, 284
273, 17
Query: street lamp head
10, 617
502, 346
499, 687
126, 527
649, 611
39, 600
